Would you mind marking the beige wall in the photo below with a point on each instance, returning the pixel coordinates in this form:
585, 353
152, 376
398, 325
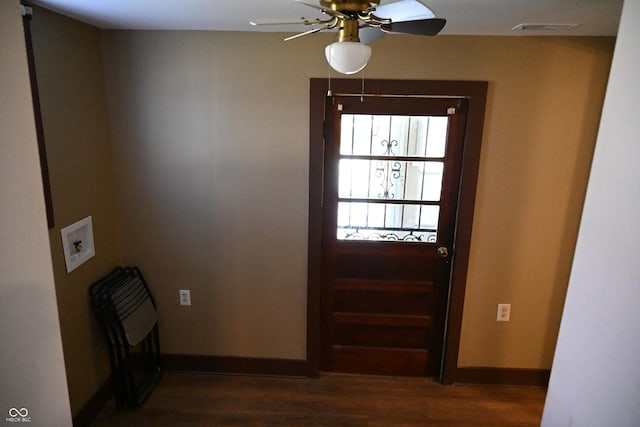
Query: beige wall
32, 373
210, 135
542, 121
210, 141
69, 69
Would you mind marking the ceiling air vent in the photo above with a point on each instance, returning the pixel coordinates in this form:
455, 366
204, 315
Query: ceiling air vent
544, 27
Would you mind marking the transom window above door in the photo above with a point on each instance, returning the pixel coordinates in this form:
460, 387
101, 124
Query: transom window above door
390, 177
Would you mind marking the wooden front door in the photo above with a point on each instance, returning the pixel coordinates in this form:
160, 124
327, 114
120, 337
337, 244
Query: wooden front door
392, 170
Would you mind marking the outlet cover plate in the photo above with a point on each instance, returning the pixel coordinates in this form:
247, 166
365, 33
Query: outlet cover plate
185, 297
504, 313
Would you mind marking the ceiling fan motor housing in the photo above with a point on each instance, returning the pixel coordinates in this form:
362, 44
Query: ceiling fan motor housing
348, 31
348, 5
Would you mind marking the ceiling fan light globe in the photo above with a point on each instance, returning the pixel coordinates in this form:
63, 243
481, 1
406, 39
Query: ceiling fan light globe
347, 57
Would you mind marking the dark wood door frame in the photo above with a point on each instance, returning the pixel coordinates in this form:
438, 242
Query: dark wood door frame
476, 93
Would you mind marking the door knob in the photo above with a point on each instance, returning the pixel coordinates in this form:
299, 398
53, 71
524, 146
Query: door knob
443, 251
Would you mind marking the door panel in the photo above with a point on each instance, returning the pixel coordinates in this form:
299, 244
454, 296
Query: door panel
391, 180
379, 360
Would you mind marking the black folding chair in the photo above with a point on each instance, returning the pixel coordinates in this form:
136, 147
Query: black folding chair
126, 310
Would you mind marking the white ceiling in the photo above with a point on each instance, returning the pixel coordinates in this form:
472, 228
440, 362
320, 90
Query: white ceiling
476, 17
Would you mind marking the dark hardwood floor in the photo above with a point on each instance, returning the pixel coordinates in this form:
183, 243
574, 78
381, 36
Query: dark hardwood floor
331, 400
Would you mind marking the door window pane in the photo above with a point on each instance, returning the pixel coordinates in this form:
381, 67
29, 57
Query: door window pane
373, 234
381, 135
388, 215
437, 136
390, 178
356, 134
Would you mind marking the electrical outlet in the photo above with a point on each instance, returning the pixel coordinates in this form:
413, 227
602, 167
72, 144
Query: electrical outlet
185, 297
504, 313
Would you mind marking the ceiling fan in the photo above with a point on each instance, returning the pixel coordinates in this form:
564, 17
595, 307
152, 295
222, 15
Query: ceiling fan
360, 22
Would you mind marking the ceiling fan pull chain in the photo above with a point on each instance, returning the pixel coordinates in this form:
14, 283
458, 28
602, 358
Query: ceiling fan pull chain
329, 93
362, 93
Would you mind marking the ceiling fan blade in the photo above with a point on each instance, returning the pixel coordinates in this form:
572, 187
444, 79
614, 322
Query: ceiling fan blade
423, 27
303, 21
324, 9
368, 35
404, 10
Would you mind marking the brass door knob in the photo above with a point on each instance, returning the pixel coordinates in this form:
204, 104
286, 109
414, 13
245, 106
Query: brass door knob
443, 251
